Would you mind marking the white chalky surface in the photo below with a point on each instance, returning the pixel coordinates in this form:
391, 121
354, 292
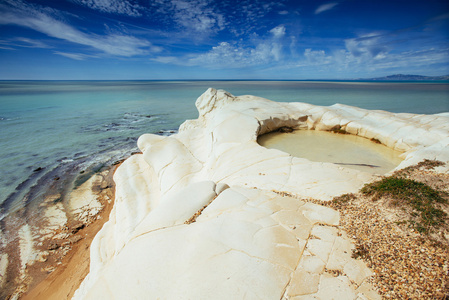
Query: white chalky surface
200, 214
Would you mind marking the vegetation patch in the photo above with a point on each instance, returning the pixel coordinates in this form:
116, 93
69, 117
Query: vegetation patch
337, 202
423, 200
407, 263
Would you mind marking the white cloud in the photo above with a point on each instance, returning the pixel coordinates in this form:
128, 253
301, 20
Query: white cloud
278, 31
283, 12
121, 7
421, 59
228, 55
315, 60
23, 43
233, 55
368, 54
75, 56
199, 18
316, 57
225, 55
255, 10
253, 52
202, 19
325, 7
25, 15
121, 45
29, 43
6, 45
166, 59
367, 47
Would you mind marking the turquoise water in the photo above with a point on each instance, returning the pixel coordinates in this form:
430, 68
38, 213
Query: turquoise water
51, 132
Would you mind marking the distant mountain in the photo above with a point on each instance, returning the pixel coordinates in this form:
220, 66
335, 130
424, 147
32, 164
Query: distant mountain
402, 77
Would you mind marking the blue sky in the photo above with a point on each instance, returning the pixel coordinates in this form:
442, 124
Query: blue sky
204, 39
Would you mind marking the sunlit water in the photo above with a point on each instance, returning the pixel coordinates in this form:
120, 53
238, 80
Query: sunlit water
51, 132
343, 149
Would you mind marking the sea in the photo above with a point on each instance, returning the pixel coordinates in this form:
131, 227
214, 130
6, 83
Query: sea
65, 131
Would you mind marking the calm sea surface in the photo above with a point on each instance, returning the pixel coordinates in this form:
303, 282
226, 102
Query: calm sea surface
53, 131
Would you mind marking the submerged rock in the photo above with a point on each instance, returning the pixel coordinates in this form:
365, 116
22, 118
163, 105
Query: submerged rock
206, 213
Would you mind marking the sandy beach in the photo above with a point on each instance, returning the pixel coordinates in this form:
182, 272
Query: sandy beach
67, 276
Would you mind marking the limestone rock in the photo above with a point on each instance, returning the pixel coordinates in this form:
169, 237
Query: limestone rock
209, 214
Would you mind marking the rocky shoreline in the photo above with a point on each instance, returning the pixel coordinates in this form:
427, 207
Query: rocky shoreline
48, 242
406, 264
208, 213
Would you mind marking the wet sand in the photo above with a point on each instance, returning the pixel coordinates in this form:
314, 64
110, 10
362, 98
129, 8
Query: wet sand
49, 254
65, 280
343, 149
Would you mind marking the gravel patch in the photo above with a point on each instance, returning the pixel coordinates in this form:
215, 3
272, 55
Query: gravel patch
407, 264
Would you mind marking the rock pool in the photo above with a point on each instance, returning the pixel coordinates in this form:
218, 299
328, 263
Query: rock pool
343, 149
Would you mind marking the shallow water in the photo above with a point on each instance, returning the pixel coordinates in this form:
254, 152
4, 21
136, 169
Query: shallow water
347, 150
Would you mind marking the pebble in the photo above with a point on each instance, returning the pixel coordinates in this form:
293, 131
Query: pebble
406, 264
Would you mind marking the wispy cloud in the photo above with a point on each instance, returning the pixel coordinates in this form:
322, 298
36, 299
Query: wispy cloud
255, 10
372, 52
202, 19
370, 46
232, 56
120, 7
236, 55
325, 7
365, 54
197, 16
276, 44
198, 19
166, 60
30, 43
316, 57
5, 45
278, 31
75, 56
22, 43
246, 16
36, 18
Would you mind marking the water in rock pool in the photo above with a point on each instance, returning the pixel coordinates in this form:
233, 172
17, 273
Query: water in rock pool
53, 132
347, 150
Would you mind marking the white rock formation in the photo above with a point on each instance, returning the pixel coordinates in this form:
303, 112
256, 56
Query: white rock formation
201, 214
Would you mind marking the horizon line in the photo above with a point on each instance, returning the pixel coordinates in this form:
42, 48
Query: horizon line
226, 80
399, 77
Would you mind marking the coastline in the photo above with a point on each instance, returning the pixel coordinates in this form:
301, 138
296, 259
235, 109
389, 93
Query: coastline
54, 251
66, 278
175, 177
248, 213
361, 218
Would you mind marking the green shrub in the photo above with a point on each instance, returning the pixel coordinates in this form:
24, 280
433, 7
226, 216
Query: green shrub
421, 198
